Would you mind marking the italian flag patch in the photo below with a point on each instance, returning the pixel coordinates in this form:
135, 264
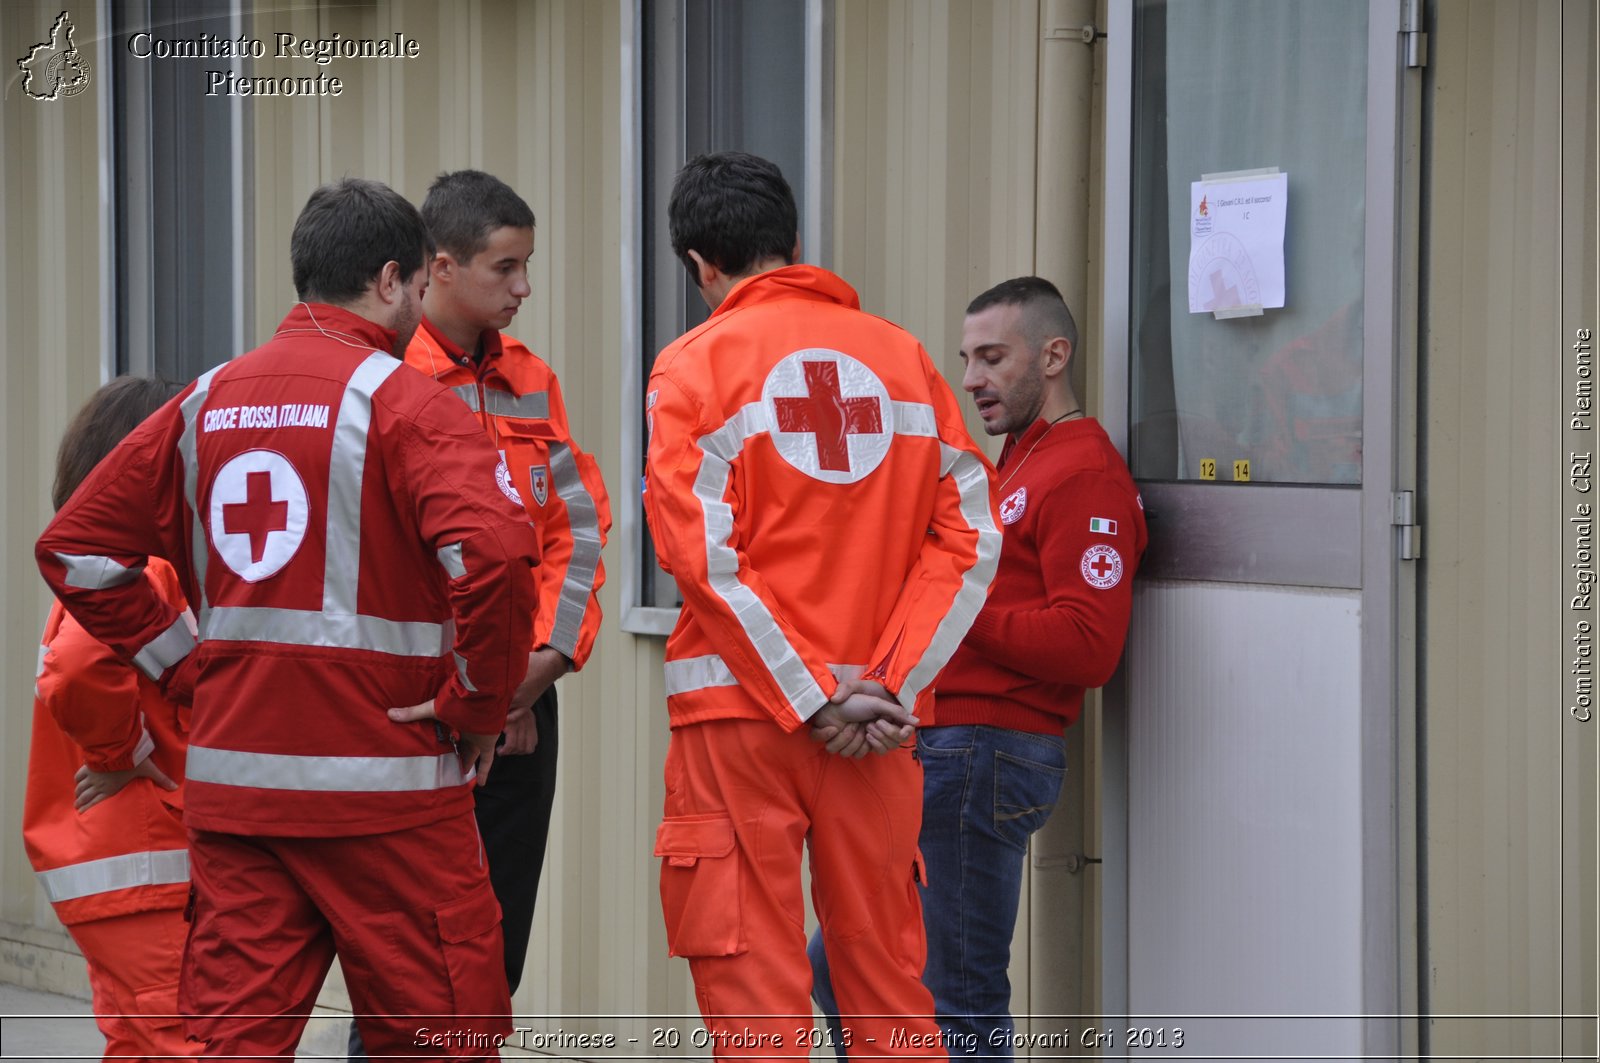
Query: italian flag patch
1101, 526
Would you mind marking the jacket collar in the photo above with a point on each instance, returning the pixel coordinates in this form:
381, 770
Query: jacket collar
337, 323
790, 282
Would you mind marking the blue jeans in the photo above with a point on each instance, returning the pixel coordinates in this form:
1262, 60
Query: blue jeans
986, 790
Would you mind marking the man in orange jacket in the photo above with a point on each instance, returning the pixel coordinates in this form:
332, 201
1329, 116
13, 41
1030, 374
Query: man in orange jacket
484, 235
830, 525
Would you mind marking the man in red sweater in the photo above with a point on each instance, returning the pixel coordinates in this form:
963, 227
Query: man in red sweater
994, 756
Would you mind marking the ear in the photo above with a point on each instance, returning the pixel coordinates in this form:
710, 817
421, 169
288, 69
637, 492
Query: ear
390, 283
442, 267
1057, 356
794, 255
705, 273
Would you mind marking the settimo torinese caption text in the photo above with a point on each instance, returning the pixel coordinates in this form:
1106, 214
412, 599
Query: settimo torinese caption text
320, 51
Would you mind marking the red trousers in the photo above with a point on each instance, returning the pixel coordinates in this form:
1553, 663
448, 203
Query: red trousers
743, 800
133, 970
410, 914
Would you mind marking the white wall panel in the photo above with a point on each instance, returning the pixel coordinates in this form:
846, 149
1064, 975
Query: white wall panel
1244, 843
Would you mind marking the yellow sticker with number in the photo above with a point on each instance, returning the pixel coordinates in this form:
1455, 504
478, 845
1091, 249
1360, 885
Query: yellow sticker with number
1241, 471
1208, 468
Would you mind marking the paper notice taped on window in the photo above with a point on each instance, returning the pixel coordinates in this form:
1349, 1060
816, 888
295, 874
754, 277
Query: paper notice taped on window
1236, 242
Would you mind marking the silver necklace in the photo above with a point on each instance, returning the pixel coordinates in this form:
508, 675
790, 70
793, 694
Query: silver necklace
1076, 411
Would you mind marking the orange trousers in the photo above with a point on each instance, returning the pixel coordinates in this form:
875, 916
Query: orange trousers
743, 800
133, 970
410, 914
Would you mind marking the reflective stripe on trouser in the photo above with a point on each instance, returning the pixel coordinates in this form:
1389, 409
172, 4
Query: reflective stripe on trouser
133, 973
155, 868
409, 913
742, 798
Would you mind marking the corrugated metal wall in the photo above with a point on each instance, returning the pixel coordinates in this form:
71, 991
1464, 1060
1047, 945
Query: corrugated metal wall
51, 304
1508, 826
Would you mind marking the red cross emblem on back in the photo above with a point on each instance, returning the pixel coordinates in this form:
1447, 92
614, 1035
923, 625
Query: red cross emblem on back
258, 516
828, 415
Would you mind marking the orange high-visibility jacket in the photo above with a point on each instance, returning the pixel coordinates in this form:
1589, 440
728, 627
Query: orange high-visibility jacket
813, 490
516, 397
129, 852
334, 521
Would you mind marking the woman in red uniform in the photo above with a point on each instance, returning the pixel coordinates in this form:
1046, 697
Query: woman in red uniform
102, 822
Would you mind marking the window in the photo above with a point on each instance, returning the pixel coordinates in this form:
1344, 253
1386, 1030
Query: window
1222, 86
180, 224
715, 75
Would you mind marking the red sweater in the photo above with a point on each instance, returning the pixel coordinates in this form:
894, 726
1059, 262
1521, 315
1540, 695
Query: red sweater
1057, 614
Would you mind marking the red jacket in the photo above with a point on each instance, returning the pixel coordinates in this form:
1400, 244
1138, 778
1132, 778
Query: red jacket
334, 519
128, 853
1058, 612
517, 399
813, 490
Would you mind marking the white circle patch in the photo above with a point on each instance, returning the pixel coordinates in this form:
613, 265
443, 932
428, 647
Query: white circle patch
258, 513
830, 415
502, 476
1015, 505
1101, 566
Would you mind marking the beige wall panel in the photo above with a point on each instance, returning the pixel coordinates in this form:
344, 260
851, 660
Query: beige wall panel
1492, 630
1580, 309
933, 158
50, 301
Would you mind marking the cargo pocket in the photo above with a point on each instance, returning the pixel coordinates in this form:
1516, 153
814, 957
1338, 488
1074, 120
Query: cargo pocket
158, 1005
700, 886
469, 937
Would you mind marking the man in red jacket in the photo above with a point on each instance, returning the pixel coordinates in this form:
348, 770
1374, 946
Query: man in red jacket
812, 489
335, 524
994, 757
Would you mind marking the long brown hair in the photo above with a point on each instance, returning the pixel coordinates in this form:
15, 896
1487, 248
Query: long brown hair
109, 415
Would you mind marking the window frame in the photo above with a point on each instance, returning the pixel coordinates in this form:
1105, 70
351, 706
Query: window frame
670, 282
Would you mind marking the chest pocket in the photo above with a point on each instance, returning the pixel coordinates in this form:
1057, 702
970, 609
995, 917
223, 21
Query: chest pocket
526, 443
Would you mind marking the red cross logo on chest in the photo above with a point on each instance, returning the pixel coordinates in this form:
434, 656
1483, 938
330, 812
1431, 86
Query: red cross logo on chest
258, 516
825, 413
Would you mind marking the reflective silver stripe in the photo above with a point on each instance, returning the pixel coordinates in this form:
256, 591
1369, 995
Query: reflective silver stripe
346, 463
915, 419
146, 746
705, 673
154, 868
533, 406
450, 558
165, 650
584, 521
721, 448
38, 672
461, 670
301, 627
799, 689
199, 541
280, 771
93, 572
972, 483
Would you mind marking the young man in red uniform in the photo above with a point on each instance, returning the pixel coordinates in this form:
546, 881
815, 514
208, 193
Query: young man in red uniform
484, 236
335, 524
828, 520
995, 757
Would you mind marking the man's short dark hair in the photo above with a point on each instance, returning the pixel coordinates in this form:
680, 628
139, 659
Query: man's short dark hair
345, 234
735, 209
465, 206
1045, 313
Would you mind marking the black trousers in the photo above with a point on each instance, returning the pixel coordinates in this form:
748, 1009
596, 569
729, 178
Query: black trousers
513, 811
